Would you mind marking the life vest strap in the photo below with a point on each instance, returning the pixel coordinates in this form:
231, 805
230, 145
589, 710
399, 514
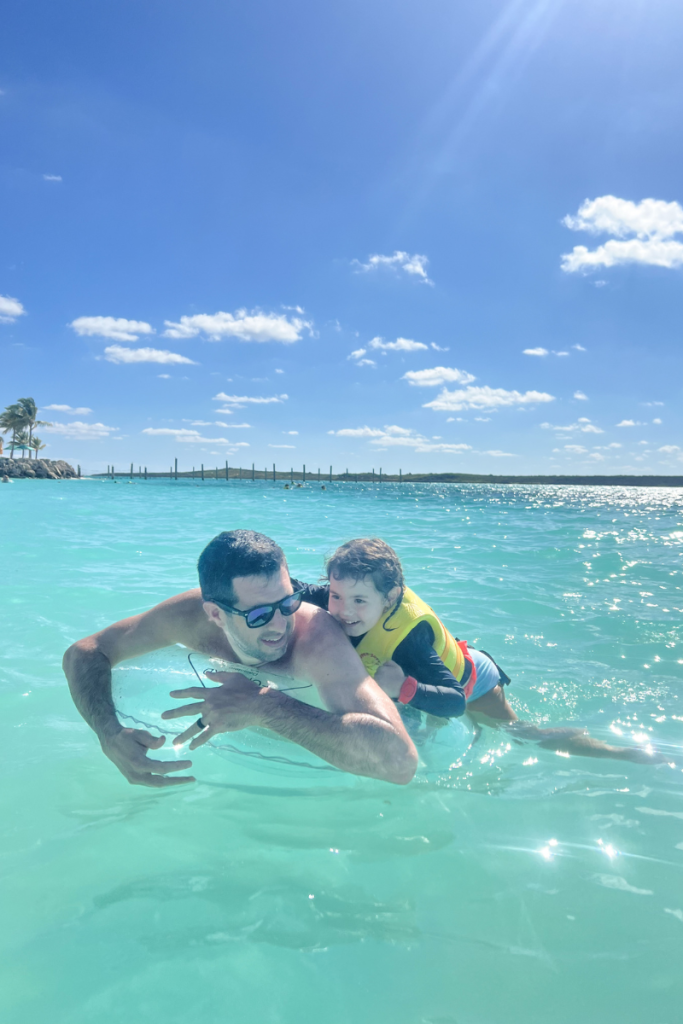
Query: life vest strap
469, 685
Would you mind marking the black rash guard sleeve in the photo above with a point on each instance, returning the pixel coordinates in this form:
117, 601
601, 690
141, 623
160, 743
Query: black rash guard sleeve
313, 593
438, 691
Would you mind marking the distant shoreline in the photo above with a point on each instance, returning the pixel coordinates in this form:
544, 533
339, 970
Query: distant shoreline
413, 478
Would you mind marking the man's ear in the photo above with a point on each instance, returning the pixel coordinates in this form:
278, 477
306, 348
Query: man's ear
212, 612
393, 595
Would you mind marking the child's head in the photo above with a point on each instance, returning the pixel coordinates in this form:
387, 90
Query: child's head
366, 579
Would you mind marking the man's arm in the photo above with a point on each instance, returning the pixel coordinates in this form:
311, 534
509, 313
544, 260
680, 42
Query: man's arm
87, 665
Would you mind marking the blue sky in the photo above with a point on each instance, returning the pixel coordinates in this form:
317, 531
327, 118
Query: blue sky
441, 236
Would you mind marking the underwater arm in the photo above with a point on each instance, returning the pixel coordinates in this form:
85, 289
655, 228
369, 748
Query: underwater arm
87, 665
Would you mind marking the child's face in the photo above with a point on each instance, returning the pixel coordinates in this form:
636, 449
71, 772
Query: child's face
357, 605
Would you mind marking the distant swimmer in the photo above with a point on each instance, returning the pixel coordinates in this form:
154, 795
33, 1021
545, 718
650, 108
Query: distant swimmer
245, 610
414, 658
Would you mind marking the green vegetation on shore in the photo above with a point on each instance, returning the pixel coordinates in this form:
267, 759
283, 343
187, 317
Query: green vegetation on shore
20, 419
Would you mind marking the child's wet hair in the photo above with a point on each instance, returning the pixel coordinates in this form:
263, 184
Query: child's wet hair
368, 556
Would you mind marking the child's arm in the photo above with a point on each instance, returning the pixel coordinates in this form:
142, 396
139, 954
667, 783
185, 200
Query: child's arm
438, 691
313, 594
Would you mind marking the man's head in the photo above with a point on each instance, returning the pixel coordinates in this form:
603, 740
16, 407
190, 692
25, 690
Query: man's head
241, 569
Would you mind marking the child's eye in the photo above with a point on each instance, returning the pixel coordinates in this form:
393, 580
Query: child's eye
360, 600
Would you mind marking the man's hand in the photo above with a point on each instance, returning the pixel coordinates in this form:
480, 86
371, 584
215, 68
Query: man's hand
390, 678
128, 750
233, 705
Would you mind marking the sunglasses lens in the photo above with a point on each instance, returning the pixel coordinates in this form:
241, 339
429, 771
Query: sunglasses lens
290, 605
260, 616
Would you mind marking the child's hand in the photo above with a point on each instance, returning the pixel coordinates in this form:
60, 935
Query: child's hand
390, 677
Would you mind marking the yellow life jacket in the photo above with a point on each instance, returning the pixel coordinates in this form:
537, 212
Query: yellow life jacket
379, 644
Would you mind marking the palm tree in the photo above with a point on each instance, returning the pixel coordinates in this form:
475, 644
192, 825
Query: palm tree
36, 445
21, 441
14, 419
31, 416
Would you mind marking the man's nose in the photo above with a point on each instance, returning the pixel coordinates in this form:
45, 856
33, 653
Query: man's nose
278, 620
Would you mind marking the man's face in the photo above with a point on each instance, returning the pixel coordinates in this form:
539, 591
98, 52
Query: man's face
265, 643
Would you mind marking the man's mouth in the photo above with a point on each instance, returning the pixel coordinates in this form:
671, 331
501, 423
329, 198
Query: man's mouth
274, 641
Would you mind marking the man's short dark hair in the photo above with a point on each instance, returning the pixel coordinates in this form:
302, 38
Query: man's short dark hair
236, 553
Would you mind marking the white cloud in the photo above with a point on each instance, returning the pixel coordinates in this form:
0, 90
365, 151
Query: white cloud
240, 400
657, 421
438, 348
579, 348
669, 448
357, 432
500, 455
438, 375
119, 354
186, 436
115, 328
576, 448
583, 425
254, 326
10, 309
415, 265
52, 177
292, 433
607, 215
628, 423
580, 395
77, 431
279, 371
399, 437
81, 411
485, 397
282, 446
535, 351
642, 233
400, 345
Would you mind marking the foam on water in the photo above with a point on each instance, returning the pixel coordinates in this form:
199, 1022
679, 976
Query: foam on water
507, 885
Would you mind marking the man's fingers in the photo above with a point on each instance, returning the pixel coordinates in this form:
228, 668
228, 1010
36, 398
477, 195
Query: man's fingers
185, 710
159, 781
163, 767
145, 739
202, 738
193, 730
190, 691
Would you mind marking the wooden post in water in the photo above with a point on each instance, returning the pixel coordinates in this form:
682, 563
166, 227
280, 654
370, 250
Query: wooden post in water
291, 476
400, 477
380, 474
240, 472
79, 472
202, 470
193, 472
226, 471
330, 474
113, 474
131, 470
145, 472
176, 469
274, 477
318, 474
253, 474
373, 475
304, 475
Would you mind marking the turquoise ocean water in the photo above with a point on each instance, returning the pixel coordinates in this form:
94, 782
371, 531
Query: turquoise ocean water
509, 884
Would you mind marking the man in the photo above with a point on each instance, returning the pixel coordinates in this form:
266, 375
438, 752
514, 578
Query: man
245, 610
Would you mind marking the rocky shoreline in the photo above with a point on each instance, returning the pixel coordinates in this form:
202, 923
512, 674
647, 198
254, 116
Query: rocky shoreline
38, 469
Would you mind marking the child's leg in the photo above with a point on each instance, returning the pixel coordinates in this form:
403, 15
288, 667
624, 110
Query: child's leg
494, 705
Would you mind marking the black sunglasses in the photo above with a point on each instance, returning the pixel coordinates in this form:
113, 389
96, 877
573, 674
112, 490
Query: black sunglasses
261, 614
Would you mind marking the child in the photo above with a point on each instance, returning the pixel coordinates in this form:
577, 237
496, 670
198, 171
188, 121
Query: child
400, 640
413, 657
